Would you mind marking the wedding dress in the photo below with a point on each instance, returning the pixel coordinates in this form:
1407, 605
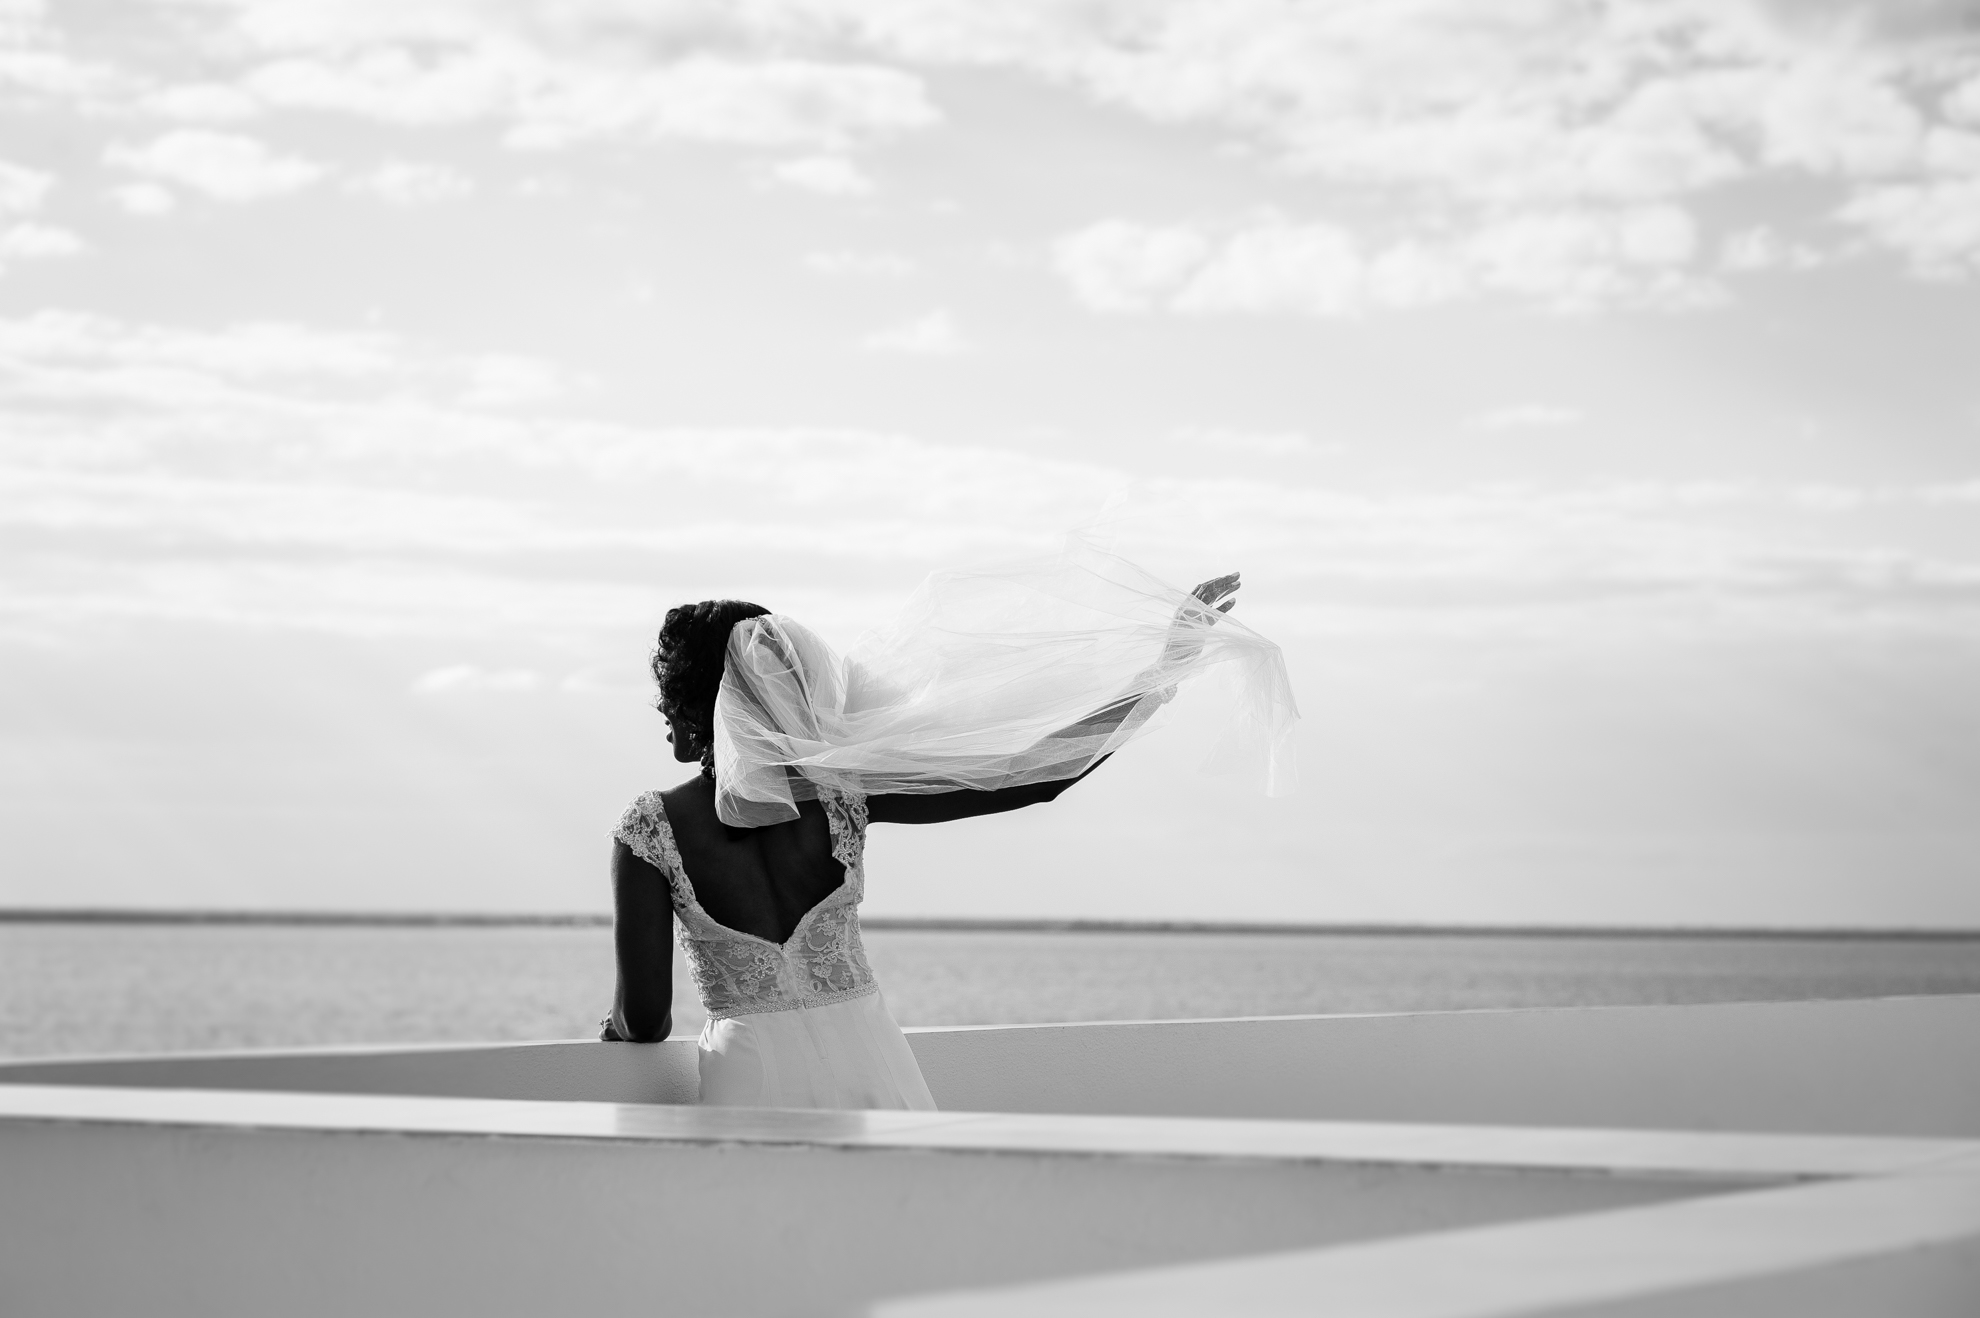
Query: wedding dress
797, 1024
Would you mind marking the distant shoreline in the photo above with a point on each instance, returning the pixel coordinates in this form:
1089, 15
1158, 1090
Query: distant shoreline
472, 920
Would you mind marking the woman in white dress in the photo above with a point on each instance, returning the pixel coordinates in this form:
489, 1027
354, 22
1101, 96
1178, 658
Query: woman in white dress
759, 859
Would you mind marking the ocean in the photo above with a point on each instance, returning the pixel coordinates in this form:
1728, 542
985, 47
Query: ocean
101, 987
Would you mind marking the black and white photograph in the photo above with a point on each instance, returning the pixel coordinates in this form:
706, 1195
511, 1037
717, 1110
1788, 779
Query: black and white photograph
958, 658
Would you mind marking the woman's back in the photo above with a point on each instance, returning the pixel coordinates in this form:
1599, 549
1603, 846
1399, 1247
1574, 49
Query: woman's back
759, 881
812, 958
768, 920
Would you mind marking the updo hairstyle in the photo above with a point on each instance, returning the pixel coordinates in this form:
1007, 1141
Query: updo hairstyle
687, 663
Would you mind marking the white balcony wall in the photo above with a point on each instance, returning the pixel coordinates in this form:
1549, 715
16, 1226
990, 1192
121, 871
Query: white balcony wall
179, 1221
1893, 1066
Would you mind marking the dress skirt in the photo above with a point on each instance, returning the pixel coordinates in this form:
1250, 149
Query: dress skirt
847, 1054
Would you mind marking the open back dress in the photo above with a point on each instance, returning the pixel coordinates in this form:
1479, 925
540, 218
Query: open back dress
799, 1024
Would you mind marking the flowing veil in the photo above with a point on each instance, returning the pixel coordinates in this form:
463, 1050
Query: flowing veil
993, 677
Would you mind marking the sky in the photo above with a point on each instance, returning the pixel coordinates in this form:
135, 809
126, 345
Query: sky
1586, 391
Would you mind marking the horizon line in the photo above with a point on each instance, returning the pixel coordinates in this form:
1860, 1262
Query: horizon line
964, 924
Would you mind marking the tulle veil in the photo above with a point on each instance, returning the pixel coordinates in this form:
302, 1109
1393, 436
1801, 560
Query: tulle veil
990, 677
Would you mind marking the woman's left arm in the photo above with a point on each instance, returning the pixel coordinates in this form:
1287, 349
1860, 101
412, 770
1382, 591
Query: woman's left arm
643, 939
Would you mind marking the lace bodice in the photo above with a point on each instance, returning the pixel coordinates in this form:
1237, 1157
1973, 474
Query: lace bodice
739, 974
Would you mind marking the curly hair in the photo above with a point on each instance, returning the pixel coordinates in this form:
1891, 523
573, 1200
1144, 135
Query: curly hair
687, 663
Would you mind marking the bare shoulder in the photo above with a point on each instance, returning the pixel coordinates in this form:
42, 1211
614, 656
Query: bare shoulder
690, 804
688, 796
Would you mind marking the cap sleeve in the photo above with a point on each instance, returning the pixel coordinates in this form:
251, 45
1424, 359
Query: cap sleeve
643, 828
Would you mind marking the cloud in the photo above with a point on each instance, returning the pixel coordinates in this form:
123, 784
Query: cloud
550, 100
1762, 248
935, 334
101, 345
1936, 226
1117, 265
1952, 151
586, 69
1279, 266
36, 242
1544, 123
22, 190
1839, 118
144, 198
1633, 256
258, 492
830, 176
496, 380
1962, 103
413, 183
466, 678
1571, 260
1261, 443
224, 166
393, 84
767, 103
861, 265
1552, 100
65, 357
1502, 113
37, 70
1526, 416
202, 102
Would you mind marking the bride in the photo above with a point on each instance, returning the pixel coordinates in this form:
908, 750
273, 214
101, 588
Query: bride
994, 691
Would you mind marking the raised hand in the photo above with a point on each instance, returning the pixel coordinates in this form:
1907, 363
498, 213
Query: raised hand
1220, 595
1224, 589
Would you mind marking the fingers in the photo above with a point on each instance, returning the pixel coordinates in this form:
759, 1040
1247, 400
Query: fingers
1217, 588
1218, 592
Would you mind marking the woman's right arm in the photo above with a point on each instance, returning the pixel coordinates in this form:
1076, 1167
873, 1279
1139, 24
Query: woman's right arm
643, 938
1218, 595
942, 807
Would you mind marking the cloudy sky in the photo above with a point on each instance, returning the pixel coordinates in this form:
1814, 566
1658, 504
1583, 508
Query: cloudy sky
1586, 390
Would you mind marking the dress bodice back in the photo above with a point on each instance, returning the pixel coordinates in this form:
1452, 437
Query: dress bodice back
737, 973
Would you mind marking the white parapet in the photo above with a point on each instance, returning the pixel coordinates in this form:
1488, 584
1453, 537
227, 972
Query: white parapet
1808, 1159
1885, 1066
219, 1204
